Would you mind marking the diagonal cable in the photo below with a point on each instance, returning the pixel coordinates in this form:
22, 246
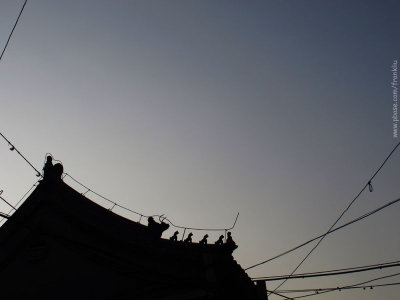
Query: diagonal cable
12, 31
368, 184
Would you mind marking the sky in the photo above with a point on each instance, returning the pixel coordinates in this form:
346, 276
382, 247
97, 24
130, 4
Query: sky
278, 110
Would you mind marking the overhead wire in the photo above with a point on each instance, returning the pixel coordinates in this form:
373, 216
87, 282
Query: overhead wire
1, 57
352, 286
376, 278
328, 290
20, 200
331, 272
12, 31
321, 238
369, 185
162, 217
9, 204
331, 231
4, 216
331, 289
278, 294
38, 174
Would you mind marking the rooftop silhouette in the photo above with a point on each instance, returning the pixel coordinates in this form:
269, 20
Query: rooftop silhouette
60, 242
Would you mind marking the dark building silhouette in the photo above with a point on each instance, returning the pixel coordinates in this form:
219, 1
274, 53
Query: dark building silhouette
61, 245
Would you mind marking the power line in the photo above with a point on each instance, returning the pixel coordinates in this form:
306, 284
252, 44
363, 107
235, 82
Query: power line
19, 201
368, 184
353, 286
327, 290
14, 148
278, 294
331, 231
375, 279
7, 203
5, 216
12, 31
162, 217
331, 272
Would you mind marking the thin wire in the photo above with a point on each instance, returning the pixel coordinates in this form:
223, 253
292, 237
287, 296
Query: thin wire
327, 290
205, 229
5, 216
341, 215
7, 203
331, 231
331, 272
357, 285
159, 216
12, 31
278, 294
375, 279
348, 288
22, 198
14, 148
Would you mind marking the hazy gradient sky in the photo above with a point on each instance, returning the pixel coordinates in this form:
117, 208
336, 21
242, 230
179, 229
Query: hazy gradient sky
279, 110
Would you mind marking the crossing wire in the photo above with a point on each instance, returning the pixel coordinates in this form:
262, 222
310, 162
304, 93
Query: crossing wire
368, 184
332, 272
20, 154
353, 286
7, 203
20, 200
328, 290
12, 31
332, 231
162, 217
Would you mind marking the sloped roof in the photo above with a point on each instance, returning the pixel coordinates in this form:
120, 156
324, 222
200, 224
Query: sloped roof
58, 233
